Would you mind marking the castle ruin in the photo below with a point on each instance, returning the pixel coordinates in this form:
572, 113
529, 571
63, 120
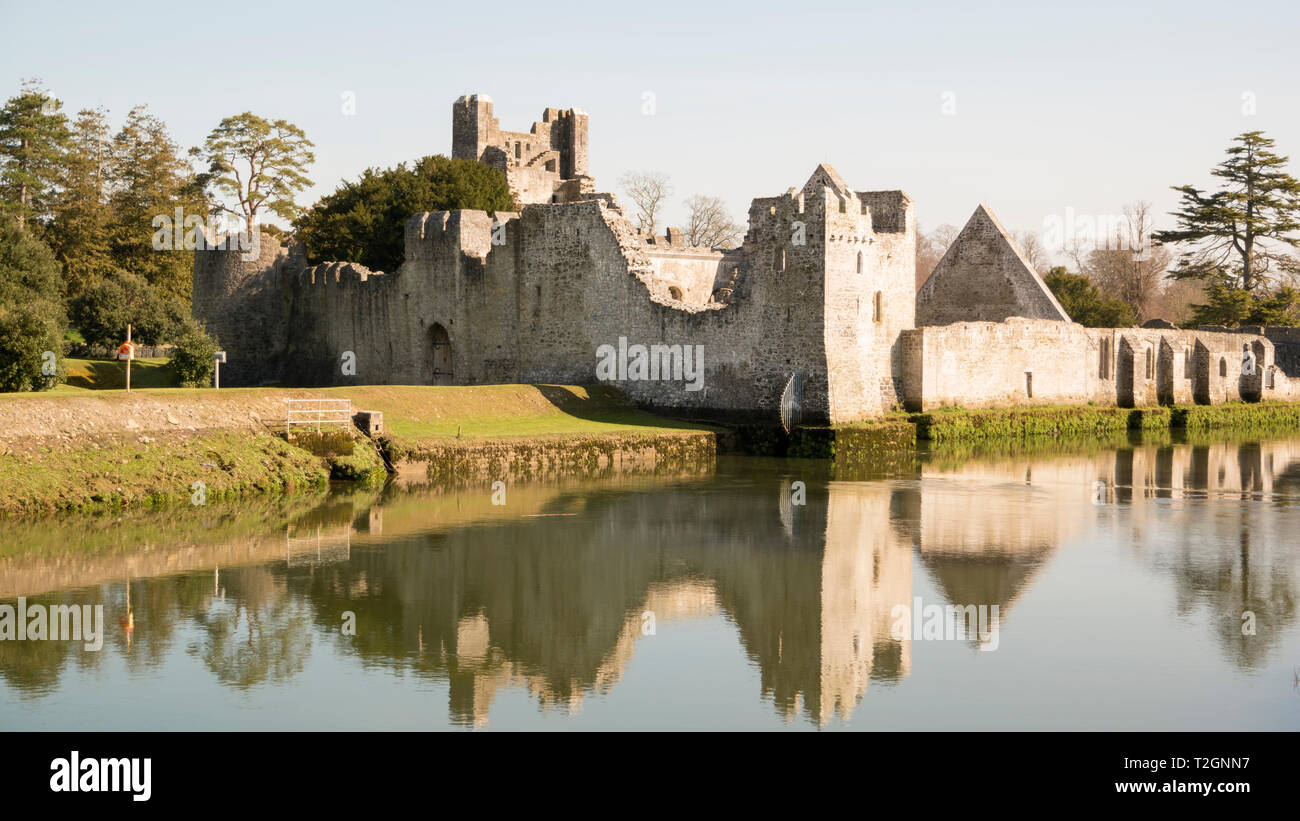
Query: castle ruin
821, 294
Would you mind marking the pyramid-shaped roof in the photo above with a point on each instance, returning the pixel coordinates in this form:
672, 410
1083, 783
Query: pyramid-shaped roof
826, 176
984, 277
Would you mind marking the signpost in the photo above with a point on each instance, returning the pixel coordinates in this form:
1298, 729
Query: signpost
217, 359
127, 352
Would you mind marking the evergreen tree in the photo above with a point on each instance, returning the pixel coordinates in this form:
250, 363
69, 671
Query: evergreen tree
150, 180
256, 164
1236, 306
33, 139
79, 232
1236, 238
1085, 303
31, 311
364, 221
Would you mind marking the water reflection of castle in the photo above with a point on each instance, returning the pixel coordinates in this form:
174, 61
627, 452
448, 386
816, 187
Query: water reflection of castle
517, 597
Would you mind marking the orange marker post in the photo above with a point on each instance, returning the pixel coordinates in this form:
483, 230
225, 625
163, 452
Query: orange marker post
127, 352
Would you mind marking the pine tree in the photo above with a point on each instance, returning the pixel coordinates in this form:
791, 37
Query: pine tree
33, 139
1237, 236
256, 164
150, 179
79, 233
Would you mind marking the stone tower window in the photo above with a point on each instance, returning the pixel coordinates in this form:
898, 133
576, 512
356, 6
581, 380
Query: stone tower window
859, 262
778, 258
1223, 366
1187, 363
1151, 364
1103, 369
877, 307
1029, 384
517, 152
675, 292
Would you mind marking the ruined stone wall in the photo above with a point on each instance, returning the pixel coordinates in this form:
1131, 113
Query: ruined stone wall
1046, 362
242, 299
566, 279
537, 163
591, 275
695, 272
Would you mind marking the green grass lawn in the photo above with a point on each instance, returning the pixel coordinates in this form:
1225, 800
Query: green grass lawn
497, 411
110, 374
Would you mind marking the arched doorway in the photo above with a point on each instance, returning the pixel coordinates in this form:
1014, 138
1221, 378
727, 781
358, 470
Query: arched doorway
1252, 372
1125, 373
441, 356
1165, 373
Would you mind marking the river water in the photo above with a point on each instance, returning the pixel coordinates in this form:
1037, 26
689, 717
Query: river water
1133, 586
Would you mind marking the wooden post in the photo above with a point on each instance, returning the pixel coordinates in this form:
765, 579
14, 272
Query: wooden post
128, 358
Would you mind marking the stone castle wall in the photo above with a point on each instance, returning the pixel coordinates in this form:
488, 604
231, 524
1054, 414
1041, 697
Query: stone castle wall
823, 286
570, 278
1046, 362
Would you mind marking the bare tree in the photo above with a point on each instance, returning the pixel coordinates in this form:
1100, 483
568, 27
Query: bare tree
1034, 252
1129, 266
930, 248
1177, 299
710, 225
648, 190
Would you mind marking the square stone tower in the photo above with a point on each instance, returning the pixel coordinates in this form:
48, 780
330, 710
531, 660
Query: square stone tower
547, 164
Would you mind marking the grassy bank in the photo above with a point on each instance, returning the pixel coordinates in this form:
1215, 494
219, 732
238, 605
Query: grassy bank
531, 432
155, 471
110, 374
953, 425
1263, 417
105, 449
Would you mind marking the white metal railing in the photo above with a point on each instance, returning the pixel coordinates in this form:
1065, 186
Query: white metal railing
318, 412
320, 548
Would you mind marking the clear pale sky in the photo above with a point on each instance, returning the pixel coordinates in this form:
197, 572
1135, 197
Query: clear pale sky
1089, 106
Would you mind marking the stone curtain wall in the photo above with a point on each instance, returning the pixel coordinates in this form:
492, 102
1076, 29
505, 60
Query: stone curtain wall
245, 305
1045, 362
569, 278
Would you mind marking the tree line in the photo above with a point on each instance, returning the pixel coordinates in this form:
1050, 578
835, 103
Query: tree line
87, 241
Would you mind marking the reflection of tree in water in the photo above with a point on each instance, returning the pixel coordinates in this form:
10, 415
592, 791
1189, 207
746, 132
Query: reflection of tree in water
258, 634
1258, 579
1234, 558
33, 668
551, 604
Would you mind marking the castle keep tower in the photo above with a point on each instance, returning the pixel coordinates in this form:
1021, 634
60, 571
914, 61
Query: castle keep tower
548, 164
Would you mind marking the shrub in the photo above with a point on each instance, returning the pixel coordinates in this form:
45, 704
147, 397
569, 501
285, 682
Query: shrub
30, 349
31, 315
104, 310
193, 360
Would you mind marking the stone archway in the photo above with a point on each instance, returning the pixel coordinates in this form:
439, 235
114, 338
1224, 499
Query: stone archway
1252, 384
1124, 373
440, 356
1165, 374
